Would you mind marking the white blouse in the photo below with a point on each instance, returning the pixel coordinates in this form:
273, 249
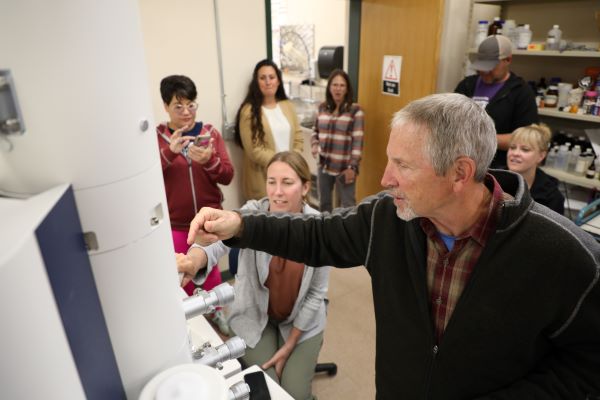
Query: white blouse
280, 127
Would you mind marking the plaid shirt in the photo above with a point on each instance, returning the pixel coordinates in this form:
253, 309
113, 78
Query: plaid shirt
340, 139
449, 271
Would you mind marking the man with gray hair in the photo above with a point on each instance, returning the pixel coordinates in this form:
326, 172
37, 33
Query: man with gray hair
479, 292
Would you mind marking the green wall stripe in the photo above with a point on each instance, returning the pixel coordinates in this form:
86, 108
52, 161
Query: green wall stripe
354, 44
269, 29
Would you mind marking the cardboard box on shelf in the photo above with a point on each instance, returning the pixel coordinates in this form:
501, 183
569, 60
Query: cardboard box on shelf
536, 46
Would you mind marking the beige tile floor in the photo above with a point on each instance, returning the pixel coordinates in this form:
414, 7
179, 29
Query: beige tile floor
349, 338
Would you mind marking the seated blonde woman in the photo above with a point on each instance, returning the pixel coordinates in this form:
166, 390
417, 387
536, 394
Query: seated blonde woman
528, 148
279, 306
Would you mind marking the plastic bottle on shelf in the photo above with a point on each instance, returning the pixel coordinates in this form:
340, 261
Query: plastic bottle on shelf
573, 157
481, 32
493, 28
551, 157
563, 94
553, 39
550, 42
582, 165
509, 29
562, 157
523, 37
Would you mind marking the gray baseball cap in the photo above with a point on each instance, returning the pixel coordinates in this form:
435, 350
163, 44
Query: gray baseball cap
493, 49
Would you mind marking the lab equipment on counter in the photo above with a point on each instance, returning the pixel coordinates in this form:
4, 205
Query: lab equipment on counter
233, 348
203, 302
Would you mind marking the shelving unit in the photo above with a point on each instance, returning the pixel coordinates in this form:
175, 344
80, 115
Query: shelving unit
553, 112
552, 53
572, 178
555, 53
578, 21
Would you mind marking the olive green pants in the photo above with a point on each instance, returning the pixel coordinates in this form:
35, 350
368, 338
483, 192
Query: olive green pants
297, 375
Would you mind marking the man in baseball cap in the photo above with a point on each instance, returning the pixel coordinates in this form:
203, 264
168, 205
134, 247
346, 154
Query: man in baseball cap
506, 97
493, 52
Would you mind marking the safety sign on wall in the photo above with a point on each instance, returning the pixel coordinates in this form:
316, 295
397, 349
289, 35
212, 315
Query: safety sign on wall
390, 76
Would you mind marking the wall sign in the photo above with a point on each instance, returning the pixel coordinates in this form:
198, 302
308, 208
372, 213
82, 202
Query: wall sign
390, 75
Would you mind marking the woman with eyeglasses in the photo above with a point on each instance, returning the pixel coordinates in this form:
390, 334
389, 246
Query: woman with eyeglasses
266, 123
194, 160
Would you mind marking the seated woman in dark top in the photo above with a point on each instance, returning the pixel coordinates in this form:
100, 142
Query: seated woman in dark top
528, 148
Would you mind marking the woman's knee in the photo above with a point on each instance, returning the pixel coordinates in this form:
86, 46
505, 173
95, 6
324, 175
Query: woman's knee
298, 387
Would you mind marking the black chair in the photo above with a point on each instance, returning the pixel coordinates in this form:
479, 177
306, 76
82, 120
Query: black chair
330, 368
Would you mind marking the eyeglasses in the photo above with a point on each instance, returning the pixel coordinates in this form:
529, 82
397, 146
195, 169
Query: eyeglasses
180, 108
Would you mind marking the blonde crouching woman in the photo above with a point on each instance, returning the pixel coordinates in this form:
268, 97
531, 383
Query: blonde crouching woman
279, 306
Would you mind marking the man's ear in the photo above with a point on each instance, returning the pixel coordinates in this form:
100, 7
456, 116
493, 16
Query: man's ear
464, 172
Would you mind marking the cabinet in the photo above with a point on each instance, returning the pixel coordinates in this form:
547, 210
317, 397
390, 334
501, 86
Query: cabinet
580, 22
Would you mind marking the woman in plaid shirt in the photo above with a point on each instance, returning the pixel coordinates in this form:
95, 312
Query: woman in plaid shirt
337, 140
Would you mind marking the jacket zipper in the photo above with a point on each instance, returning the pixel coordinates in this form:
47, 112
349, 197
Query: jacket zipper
434, 351
436, 347
433, 346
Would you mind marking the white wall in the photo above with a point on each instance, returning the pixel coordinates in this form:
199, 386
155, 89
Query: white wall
460, 21
454, 45
180, 38
330, 18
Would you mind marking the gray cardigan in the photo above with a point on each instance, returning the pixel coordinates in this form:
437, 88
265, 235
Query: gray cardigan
248, 314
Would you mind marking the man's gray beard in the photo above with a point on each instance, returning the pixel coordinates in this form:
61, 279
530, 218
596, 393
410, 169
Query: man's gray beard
407, 214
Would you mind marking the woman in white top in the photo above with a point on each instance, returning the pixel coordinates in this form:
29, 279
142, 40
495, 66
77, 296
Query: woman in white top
266, 123
279, 306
